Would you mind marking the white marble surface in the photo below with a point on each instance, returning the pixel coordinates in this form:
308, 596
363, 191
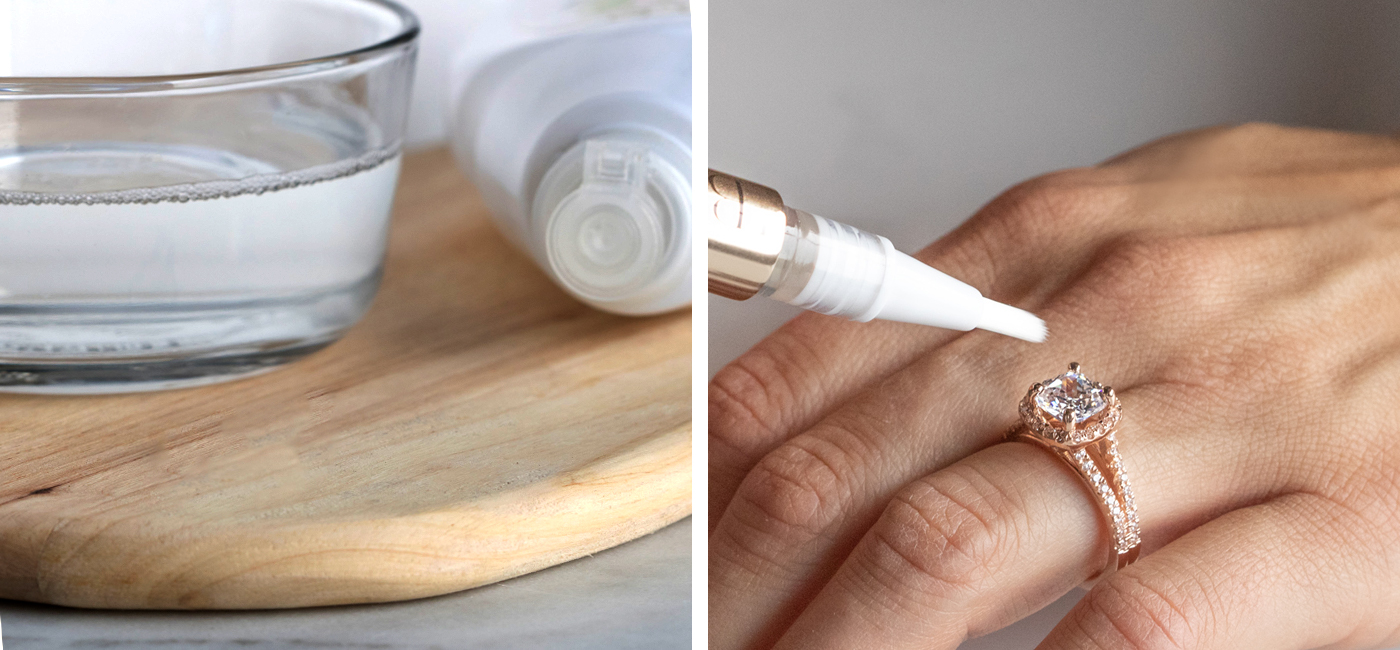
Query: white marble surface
634, 596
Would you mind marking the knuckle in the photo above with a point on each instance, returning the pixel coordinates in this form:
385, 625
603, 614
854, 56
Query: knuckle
1255, 365
1359, 510
1379, 222
789, 498
1206, 287
943, 536
1137, 277
746, 398
1249, 131
1231, 145
1048, 205
1050, 211
1133, 613
1232, 138
1386, 492
1161, 270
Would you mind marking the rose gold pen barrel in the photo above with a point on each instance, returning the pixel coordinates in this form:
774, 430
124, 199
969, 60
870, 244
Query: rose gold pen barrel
746, 235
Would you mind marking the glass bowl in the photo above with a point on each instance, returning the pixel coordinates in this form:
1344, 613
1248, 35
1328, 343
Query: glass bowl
192, 190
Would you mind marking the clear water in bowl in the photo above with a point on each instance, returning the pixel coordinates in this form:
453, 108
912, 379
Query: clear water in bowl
176, 282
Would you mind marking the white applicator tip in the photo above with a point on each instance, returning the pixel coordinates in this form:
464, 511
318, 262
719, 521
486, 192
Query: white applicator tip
1008, 320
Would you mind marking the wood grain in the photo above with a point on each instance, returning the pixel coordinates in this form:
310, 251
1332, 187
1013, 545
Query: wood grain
477, 425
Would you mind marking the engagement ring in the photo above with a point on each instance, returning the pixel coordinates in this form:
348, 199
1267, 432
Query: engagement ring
1076, 418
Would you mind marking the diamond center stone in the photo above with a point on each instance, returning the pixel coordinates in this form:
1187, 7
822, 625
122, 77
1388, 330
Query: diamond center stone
1071, 393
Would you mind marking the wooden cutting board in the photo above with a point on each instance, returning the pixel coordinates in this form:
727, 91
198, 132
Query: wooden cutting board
477, 425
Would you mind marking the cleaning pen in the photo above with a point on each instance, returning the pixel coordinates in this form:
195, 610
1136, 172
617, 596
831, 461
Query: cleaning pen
759, 246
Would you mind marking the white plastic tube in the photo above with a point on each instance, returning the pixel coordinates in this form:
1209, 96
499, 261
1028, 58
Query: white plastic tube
580, 145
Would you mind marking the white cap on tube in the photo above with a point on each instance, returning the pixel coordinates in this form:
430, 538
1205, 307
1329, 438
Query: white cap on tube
616, 217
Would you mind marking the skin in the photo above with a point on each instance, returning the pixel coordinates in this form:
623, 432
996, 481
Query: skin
1239, 287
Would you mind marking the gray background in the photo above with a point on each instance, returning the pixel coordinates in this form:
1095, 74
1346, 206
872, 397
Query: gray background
904, 116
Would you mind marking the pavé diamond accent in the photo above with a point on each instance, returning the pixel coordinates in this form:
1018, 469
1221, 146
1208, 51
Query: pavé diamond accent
1122, 513
1132, 536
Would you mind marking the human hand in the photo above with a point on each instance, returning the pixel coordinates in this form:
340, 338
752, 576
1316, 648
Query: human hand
1239, 289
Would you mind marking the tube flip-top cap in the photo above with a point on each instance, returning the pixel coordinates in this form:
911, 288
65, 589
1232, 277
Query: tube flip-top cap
605, 238
618, 239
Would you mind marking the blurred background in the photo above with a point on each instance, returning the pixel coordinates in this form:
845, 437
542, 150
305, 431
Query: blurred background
450, 25
903, 117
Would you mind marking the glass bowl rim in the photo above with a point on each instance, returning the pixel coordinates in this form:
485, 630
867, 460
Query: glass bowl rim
406, 35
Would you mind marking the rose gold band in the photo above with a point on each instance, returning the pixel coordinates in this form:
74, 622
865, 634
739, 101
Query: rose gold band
1100, 467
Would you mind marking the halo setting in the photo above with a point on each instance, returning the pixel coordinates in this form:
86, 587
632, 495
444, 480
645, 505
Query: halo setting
1070, 410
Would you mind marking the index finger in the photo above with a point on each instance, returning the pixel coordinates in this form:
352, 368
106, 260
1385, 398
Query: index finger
790, 381
813, 364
